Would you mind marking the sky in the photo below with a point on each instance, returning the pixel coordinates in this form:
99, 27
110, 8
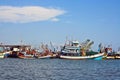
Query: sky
36, 21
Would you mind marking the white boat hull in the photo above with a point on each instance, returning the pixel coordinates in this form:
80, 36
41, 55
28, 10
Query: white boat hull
47, 56
82, 57
44, 57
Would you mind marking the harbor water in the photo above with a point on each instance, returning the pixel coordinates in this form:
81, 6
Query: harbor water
59, 69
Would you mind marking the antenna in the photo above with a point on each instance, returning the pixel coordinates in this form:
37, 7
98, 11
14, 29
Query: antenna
66, 40
21, 42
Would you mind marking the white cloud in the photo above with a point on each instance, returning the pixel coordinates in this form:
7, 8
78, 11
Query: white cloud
28, 14
54, 19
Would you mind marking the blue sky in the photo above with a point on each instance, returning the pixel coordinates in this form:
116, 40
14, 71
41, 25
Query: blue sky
53, 20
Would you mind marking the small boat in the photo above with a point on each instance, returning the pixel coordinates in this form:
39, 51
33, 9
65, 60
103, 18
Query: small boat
23, 55
111, 54
76, 51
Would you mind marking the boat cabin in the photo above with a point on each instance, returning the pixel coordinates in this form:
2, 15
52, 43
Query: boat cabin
73, 48
75, 43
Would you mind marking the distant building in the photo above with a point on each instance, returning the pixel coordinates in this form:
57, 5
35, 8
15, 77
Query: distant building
15, 47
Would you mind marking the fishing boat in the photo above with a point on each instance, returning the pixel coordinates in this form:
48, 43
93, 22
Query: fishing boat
110, 54
76, 51
23, 55
27, 54
45, 53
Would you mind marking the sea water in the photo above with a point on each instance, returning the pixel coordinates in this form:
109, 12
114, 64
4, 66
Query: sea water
59, 69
